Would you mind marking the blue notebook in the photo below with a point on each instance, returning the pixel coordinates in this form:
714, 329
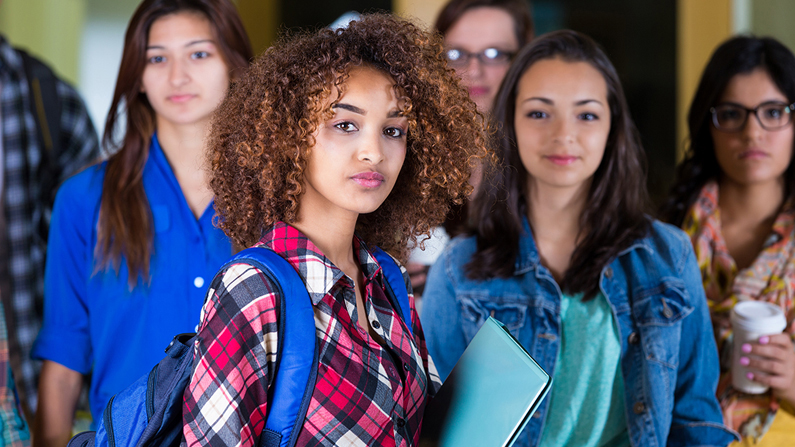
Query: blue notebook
489, 396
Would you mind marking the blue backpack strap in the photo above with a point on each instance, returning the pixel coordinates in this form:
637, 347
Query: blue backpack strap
397, 284
297, 358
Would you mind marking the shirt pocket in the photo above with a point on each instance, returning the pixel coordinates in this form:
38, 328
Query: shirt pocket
659, 312
477, 307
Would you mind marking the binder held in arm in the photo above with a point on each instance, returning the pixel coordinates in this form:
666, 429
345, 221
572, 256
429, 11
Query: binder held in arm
489, 396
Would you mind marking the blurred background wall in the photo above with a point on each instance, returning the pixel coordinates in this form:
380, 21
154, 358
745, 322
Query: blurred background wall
659, 48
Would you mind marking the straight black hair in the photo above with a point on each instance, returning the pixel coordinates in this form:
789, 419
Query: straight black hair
739, 55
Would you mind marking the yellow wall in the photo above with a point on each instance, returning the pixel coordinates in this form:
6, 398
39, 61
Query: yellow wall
260, 18
702, 25
424, 11
49, 29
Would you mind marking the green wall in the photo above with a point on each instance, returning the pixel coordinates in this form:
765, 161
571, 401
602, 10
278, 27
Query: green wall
49, 29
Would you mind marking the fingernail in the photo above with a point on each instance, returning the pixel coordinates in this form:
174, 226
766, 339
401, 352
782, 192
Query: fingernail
746, 348
763, 340
745, 361
750, 376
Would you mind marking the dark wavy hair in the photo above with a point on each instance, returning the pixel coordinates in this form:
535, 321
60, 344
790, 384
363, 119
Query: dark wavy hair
614, 216
125, 222
519, 11
739, 55
263, 131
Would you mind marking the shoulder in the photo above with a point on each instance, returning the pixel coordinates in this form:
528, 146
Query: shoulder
241, 288
82, 192
459, 251
664, 250
85, 185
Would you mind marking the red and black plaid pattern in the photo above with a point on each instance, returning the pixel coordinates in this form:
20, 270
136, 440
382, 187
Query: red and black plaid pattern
366, 394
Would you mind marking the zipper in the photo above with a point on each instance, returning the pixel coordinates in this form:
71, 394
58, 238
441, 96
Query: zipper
150, 393
106, 417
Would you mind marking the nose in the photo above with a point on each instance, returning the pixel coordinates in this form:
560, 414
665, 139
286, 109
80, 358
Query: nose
370, 148
178, 73
564, 131
752, 130
473, 67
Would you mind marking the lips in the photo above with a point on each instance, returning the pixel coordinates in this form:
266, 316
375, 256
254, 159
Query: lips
561, 160
180, 98
369, 179
753, 154
477, 91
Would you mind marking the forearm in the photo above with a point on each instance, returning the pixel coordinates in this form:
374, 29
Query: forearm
59, 389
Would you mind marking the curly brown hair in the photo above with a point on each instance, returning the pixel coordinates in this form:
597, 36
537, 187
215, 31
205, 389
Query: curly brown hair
263, 131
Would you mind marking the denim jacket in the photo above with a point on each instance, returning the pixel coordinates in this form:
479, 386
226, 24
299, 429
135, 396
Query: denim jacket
668, 356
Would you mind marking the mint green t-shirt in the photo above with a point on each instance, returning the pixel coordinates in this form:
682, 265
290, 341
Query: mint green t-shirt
587, 397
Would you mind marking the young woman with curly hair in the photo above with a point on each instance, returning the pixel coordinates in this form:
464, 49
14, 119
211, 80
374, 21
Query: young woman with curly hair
132, 244
607, 300
334, 142
735, 197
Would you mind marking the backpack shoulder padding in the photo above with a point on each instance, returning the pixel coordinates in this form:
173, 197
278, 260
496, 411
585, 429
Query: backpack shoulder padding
297, 357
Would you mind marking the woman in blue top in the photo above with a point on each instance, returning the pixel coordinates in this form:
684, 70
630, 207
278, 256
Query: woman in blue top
132, 243
607, 300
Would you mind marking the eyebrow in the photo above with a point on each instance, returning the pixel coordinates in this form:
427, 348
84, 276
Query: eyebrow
550, 102
193, 42
360, 111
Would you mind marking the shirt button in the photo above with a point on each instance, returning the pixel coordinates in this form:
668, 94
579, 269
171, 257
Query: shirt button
400, 422
198, 282
406, 366
376, 324
633, 338
639, 408
609, 272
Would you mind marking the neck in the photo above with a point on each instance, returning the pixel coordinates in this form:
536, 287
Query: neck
554, 213
183, 145
759, 202
334, 237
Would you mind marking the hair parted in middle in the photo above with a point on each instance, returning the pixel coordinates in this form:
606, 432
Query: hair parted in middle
615, 214
263, 131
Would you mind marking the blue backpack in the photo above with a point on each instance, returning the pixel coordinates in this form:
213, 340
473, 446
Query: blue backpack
149, 412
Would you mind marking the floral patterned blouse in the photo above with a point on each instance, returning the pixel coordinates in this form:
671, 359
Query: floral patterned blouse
771, 278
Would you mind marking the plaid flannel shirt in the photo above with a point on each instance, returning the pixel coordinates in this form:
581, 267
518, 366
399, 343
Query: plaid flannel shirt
22, 287
366, 394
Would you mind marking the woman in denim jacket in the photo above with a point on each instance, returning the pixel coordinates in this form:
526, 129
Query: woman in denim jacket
562, 253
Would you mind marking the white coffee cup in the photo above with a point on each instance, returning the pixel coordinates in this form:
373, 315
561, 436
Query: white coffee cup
751, 320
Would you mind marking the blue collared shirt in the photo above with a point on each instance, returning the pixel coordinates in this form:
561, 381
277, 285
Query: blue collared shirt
93, 322
669, 361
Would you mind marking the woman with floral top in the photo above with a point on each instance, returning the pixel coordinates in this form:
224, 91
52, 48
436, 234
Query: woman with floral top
333, 143
734, 197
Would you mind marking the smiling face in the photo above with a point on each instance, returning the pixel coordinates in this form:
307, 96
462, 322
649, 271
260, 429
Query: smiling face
185, 77
358, 152
562, 123
752, 154
476, 30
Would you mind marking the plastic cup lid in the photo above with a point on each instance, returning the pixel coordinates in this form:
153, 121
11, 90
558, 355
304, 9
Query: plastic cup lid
759, 316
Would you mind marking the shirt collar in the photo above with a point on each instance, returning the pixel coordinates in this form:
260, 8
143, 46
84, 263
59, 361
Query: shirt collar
319, 274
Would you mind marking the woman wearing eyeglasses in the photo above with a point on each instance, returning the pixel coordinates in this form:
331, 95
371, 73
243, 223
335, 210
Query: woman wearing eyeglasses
734, 197
481, 37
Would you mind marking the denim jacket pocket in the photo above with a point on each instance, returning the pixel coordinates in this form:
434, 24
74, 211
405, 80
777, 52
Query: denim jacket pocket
658, 312
477, 307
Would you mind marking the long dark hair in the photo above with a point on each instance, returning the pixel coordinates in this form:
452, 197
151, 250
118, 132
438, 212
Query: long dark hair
519, 11
739, 55
614, 216
125, 223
